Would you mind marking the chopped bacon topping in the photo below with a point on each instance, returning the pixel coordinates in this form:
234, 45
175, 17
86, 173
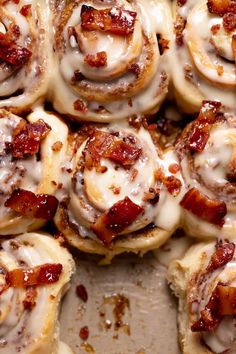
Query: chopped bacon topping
96, 60
181, 2
106, 145
209, 114
40, 275
26, 10
39, 206
221, 7
12, 53
215, 29
27, 138
84, 333
172, 184
116, 219
223, 254
29, 301
210, 316
179, 27
221, 303
112, 20
81, 106
229, 21
205, 208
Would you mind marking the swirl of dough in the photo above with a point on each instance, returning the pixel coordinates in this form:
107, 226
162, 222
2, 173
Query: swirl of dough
36, 173
119, 194
25, 54
207, 155
29, 305
109, 62
203, 59
206, 273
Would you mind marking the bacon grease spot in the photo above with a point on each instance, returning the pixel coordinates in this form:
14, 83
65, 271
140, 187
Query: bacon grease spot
116, 219
26, 203
112, 20
205, 208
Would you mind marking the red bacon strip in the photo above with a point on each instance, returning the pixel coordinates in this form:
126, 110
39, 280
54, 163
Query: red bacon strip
223, 254
209, 114
105, 145
12, 53
26, 203
27, 138
116, 219
112, 20
41, 275
205, 208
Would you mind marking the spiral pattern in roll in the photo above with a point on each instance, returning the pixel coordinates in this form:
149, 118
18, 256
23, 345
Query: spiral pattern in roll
110, 65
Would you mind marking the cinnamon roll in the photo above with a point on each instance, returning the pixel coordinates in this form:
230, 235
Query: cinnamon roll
30, 158
35, 272
203, 55
204, 282
207, 155
121, 192
112, 58
25, 54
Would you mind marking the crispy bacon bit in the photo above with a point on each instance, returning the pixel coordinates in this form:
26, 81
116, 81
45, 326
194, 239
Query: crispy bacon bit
14, 54
44, 274
223, 254
209, 114
112, 20
221, 7
220, 70
222, 303
57, 146
96, 60
174, 168
134, 69
163, 45
179, 27
116, 219
26, 10
84, 333
234, 46
81, 292
29, 301
172, 184
210, 316
215, 29
27, 138
227, 300
78, 76
205, 208
106, 145
181, 2
115, 190
39, 206
229, 21
81, 106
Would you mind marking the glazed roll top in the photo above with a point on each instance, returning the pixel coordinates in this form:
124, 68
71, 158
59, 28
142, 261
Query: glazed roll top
35, 272
204, 281
204, 52
206, 151
24, 53
30, 157
119, 184
110, 63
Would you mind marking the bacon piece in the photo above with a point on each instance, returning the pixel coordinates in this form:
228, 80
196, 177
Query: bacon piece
179, 27
172, 184
27, 138
12, 53
223, 254
205, 208
210, 317
81, 292
209, 114
227, 300
229, 21
81, 106
26, 203
234, 47
221, 7
44, 274
96, 60
29, 301
106, 145
112, 20
116, 219
26, 10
